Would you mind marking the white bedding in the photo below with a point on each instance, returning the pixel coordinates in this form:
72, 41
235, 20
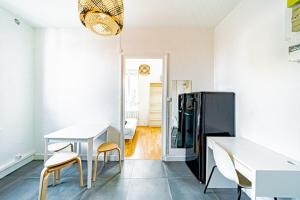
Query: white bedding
130, 127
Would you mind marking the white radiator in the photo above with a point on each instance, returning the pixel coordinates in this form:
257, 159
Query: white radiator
131, 114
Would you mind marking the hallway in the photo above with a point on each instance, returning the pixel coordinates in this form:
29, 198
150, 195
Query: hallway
145, 145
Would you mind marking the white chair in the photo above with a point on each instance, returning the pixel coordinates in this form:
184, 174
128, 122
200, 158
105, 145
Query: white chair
225, 165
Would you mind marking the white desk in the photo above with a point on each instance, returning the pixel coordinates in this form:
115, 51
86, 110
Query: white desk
79, 133
271, 174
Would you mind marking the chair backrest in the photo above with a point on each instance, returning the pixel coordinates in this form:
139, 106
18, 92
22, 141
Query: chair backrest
224, 163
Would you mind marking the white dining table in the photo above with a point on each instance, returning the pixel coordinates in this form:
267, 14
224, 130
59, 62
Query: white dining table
84, 133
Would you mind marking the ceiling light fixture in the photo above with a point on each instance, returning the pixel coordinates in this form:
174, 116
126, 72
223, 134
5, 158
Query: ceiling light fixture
103, 17
144, 69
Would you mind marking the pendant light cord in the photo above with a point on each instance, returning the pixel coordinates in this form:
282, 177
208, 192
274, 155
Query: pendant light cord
120, 43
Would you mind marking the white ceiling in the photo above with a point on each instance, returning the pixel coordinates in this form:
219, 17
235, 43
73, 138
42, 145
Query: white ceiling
138, 13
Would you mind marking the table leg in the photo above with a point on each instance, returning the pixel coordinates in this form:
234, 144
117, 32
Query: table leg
89, 163
46, 150
253, 195
78, 148
75, 147
253, 187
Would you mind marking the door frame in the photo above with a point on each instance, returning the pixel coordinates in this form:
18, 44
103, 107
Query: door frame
164, 127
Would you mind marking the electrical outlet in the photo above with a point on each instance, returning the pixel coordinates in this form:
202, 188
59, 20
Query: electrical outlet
18, 156
290, 162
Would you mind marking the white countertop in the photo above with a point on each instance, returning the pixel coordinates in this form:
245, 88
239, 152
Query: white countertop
255, 156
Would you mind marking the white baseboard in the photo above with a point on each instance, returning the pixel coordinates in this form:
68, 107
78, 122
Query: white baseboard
40, 156
113, 157
14, 165
169, 158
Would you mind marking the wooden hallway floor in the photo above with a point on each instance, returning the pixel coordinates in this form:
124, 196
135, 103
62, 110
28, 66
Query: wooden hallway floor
145, 145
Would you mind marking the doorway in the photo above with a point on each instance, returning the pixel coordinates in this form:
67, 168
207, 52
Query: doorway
143, 108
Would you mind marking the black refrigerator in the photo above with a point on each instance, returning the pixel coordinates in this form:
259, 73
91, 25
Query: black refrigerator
205, 114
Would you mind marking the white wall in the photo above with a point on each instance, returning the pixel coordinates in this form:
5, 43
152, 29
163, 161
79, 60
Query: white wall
251, 59
78, 72
16, 89
190, 52
78, 77
144, 89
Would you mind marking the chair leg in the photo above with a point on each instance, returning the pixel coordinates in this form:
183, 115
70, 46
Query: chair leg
239, 192
95, 167
72, 147
58, 175
43, 184
211, 173
54, 175
104, 158
45, 187
119, 152
80, 171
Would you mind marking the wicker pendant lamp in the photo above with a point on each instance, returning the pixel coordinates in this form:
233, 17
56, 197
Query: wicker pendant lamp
144, 69
103, 17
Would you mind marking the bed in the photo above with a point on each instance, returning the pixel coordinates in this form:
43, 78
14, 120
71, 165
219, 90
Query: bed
130, 126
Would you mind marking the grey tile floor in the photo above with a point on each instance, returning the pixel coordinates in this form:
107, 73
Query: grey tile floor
139, 180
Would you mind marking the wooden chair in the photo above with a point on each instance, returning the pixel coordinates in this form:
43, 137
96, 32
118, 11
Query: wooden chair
57, 147
55, 163
103, 148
